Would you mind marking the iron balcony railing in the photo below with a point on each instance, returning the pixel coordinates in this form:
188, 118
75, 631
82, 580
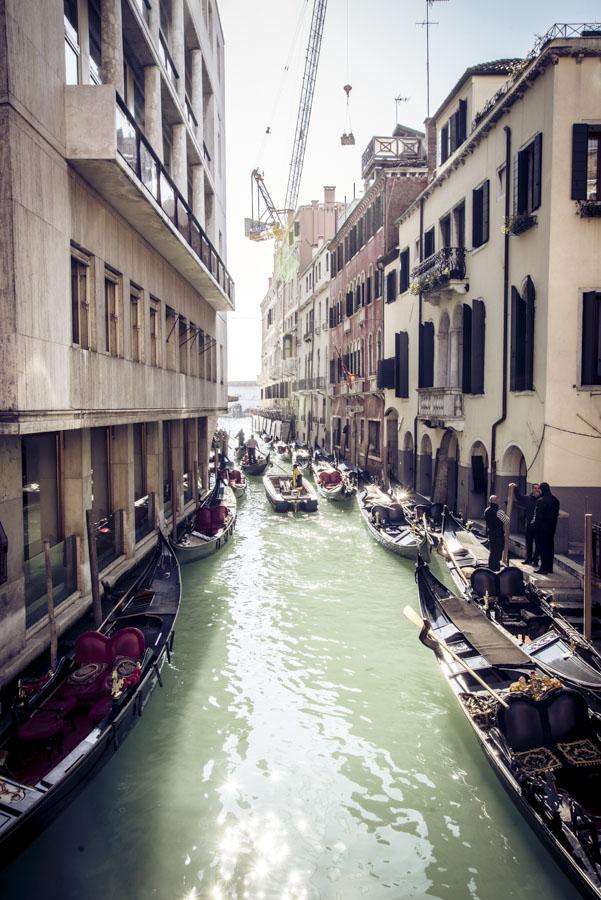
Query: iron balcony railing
445, 265
167, 60
141, 158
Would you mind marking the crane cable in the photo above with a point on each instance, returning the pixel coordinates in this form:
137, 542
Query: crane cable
348, 126
291, 52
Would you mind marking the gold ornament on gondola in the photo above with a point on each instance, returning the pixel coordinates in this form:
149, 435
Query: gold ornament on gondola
537, 687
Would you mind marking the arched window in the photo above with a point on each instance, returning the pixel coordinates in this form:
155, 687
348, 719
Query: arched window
378, 348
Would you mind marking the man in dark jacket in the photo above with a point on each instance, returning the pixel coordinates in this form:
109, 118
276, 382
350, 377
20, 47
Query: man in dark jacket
495, 520
546, 514
528, 503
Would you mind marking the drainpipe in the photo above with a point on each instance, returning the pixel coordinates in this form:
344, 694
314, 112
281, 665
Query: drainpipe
503, 416
419, 322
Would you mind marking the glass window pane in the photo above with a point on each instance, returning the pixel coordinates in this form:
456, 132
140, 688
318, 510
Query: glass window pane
40, 492
71, 64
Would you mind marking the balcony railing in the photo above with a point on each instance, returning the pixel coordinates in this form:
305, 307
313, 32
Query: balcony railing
439, 270
589, 209
167, 60
310, 384
388, 151
192, 120
141, 158
440, 403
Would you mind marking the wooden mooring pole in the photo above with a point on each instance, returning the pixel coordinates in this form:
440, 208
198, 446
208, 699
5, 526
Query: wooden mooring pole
96, 605
510, 496
588, 575
50, 598
196, 493
174, 504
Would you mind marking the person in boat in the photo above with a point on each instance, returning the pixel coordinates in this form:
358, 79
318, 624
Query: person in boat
251, 447
528, 502
495, 520
546, 514
240, 438
297, 477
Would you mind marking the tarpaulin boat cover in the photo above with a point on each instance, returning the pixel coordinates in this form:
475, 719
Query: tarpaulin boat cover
490, 642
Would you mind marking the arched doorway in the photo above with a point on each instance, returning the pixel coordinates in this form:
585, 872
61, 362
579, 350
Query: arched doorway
513, 469
446, 474
477, 499
424, 466
391, 418
407, 472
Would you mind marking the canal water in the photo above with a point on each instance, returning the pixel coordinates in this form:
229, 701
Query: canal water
304, 746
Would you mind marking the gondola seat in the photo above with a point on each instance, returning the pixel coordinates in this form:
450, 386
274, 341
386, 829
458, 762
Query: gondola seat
522, 724
485, 581
101, 709
127, 643
203, 519
93, 658
334, 478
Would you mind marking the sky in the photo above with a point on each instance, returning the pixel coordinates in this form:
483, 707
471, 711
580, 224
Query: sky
383, 57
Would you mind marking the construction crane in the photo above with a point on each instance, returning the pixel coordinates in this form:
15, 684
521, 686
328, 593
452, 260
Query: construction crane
267, 221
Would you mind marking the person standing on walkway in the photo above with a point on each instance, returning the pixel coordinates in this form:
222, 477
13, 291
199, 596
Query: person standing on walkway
546, 514
495, 520
251, 446
528, 503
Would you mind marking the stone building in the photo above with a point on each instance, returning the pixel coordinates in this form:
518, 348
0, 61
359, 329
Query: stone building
113, 292
492, 345
311, 401
394, 172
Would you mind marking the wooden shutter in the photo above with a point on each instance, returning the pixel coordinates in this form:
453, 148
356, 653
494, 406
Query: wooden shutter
591, 339
386, 373
453, 133
477, 349
461, 122
369, 283
401, 358
477, 217
528, 313
444, 143
579, 162
485, 211
404, 272
428, 354
332, 371
515, 314
522, 173
537, 171
467, 349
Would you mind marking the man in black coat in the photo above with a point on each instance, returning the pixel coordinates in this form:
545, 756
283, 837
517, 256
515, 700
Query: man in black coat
546, 514
528, 504
495, 520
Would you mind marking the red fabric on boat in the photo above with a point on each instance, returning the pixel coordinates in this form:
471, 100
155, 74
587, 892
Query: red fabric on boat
218, 516
324, 478
40, 727
128, 642
100, 709
335, 478
203, 519
93, 647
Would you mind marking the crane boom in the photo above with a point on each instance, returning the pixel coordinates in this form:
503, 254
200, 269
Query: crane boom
305, 103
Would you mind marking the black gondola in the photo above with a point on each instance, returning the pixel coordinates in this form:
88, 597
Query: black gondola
55, 745
539, 736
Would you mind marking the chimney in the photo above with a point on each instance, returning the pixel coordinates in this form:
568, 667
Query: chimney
329, 194
431, 146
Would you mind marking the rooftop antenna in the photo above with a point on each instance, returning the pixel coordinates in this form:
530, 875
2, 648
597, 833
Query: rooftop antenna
427, 23
398, 100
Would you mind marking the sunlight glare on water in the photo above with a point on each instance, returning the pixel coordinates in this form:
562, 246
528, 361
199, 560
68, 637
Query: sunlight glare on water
304, 746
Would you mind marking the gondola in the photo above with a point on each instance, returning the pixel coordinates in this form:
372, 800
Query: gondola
236, 480
538, 735
54, 746
518, 608
283, 451
302, 457
284, 498
256, 468
331, 482
387, 522
209, 528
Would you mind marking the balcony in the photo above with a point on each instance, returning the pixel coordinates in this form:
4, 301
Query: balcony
108, 149
308, 336
441, 406
347, 325
441, 274
387, 152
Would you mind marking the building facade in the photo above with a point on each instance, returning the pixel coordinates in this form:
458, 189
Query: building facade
311, 401
492, 344
115, 289
394, 172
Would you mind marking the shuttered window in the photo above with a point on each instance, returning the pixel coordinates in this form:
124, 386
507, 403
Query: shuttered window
401, 364
404, 271
349, 303
377, 284
386, 373
444, 143
429, 243
426, 355
528, 191
477, 349
586, 162
369, 284
480, 214
391, 286
522, 338
466, 377
591, 338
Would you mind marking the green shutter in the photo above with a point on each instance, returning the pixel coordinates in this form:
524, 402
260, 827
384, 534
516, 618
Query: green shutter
579, 161
537, 171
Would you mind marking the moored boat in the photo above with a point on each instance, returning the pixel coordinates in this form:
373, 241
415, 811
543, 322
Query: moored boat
283, 451
332, 483
301, 457
209, 528
236, 480
58, 742
538, 735
284, 498
257, 467
387, 522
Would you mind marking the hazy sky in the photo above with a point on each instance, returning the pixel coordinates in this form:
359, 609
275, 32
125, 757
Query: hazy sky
386, 54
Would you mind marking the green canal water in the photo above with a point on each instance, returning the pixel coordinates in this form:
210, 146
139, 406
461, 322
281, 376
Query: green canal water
304, 745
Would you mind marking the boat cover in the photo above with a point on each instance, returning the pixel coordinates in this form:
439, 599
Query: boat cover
490, 642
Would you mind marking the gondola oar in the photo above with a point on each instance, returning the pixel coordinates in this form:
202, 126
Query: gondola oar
421, 623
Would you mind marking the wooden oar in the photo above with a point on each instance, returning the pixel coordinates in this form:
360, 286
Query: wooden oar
417, 620
451, 556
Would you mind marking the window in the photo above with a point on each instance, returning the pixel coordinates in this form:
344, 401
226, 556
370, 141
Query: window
444, 143
458, 126
426, 355
474, 319
401, 364
591, 338
480, 216
586, 162
154, 333
386, 373
528, 172
201, 353
167, 469
100, 452
171, 337
445, 231
41, 495
391, 286
368, 291
522, 338
135, 321
71, 42
95, 41
370, 355
377, 284
459, 224
429, 244
183, 344
373, 438
378, 347
81, 284
404, 276
113, 320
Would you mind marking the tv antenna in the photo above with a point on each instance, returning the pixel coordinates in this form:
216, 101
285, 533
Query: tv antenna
398, 100
427, 23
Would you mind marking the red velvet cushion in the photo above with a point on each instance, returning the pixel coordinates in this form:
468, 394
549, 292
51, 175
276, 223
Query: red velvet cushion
218, 515
40, 727
335, 478
91, 646
128, 642
203, 518
100, 709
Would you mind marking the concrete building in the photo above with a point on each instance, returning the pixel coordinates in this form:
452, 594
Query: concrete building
309, 225
311, 399
394, 172
114, 288
492, 345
